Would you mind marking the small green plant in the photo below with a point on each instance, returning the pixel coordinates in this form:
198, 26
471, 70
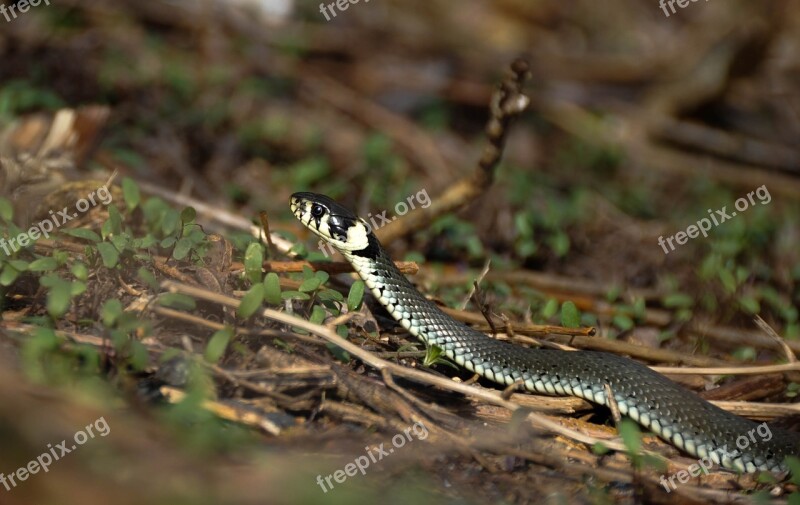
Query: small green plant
434, 355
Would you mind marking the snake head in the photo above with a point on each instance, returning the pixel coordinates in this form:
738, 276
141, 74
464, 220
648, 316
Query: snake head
332, 221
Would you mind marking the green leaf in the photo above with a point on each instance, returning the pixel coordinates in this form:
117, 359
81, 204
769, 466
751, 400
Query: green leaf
728, 280
295, 295
43, 341
750, 304
745, 353
177, 301
251, 301
631, 436
148, 278
80, 271
188, 214
337, 351
58, 298
329, 295
120, 340
43, 265
217, 344
272, 289
111, 312
182, 248
82, 233
526, 248
77, 288
6, 209
639, 308
677, 301
145, 242
309, 285
356, 296
50, 280
139, 357
108, 253
570, 317
322, 275
130, 192
550, 308
115, 219
654, 462
170, 221
613, 293
120, 241
623, 322
20, 265
432, 355
317, 315
194, 233
9, 275
559, 242
253, 261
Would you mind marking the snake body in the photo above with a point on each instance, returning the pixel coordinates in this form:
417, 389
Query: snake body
675, 414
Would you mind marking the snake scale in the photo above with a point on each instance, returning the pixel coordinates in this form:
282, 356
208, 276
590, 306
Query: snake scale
675, 414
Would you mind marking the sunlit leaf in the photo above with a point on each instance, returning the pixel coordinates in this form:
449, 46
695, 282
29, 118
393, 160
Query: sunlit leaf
356, 295
272, 289
570, 317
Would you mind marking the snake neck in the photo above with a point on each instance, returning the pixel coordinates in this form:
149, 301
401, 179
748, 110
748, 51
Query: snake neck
393, 290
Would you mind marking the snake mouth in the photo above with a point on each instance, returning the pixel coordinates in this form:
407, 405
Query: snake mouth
301, 205
296, 205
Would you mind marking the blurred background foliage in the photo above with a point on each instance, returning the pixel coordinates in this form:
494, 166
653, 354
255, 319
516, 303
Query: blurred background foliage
640, 124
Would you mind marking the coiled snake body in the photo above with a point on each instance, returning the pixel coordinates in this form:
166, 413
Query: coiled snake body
673, 413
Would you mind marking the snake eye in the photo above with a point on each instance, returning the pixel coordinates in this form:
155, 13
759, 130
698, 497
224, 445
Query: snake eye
317, 210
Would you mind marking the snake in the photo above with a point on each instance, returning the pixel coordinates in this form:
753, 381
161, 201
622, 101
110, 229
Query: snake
674, 413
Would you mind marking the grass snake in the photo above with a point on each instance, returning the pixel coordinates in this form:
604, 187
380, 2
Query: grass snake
672, 412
